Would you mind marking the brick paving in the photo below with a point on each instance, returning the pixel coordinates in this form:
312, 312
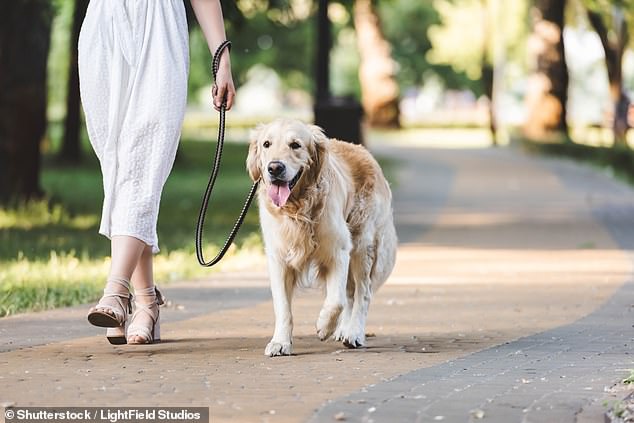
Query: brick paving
566, 374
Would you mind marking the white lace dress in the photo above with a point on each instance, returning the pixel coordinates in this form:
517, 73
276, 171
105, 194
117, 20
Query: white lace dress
133, 66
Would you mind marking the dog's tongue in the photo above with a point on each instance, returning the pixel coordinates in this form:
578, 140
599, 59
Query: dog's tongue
279, 194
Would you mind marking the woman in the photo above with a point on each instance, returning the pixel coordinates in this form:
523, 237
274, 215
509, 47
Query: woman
133, 66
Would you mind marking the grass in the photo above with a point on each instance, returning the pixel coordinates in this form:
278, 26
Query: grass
51, 254
618, 161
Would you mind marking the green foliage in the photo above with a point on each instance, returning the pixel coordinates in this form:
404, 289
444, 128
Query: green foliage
474, 32
344, 64
613, 11
406, 25
59, 56
266, 38
51, 254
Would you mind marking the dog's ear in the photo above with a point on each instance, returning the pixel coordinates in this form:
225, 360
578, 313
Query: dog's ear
319, 140
317, 134
253, 165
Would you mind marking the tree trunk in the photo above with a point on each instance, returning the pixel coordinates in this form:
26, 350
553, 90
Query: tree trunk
379, 90
614, 64
488, 70
71, 145
487, 84
25, 30
548, 85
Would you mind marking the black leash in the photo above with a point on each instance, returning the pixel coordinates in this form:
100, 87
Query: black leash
212, 179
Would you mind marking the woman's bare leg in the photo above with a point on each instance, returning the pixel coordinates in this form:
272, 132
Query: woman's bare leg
126, 251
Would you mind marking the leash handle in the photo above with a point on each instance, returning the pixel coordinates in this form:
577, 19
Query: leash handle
215, 65
212, 178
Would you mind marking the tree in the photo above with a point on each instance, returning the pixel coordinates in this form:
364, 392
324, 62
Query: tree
71, 146
614, 39
472, 20
548, 84
495, 32
379, 90
25, 27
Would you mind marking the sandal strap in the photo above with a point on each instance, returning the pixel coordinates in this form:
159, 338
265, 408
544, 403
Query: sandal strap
152, 291
110, 292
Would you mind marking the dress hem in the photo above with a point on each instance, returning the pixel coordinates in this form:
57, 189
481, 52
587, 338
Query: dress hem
155, 248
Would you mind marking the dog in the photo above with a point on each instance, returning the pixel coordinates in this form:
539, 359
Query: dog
326, 218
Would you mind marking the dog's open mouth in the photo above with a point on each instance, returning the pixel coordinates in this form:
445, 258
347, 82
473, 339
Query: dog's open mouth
280, 191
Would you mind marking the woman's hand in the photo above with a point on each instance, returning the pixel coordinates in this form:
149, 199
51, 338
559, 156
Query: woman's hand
223, 87
209, 15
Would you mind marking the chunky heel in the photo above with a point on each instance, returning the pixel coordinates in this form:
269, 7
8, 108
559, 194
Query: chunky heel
116, 336
157, 330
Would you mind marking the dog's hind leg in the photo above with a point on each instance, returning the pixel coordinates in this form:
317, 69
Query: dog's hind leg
344, 318
370, 266
282, 285
336, 277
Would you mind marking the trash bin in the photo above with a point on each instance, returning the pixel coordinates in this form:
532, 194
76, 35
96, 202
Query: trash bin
340, 117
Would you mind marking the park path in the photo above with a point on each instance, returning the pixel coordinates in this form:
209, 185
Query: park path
511, 301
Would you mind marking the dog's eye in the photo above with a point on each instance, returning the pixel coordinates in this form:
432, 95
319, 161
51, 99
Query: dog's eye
266, 144
295, 145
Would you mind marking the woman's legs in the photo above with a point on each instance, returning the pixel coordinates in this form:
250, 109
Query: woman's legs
132, 260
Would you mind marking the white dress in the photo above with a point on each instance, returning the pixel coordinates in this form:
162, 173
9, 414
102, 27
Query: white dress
133, 67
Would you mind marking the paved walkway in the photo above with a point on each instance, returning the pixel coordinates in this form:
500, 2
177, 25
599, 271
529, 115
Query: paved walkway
511, 301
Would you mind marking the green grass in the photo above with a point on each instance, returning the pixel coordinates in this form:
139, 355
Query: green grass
618, 161
51, 254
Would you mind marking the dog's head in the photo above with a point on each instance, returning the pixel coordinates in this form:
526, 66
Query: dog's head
285, 155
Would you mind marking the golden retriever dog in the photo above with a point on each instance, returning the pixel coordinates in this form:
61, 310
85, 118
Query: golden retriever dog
326, 217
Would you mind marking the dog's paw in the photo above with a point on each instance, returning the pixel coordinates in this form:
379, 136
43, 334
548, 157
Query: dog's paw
342, 326
327, 321
352, 337
353, 342
278, 348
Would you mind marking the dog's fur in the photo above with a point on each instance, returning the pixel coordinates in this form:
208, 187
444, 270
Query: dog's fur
335, 230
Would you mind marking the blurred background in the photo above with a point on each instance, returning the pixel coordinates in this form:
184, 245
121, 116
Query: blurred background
553, 76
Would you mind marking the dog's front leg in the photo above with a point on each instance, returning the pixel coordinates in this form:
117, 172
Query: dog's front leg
282, 284
335, 296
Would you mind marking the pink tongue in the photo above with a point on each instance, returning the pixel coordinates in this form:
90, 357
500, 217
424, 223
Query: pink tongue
279, 194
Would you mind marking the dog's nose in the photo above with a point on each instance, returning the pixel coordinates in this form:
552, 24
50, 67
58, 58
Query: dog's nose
276, 169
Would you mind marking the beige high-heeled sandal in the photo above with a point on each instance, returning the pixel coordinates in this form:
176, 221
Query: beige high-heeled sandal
119, 304
151, 334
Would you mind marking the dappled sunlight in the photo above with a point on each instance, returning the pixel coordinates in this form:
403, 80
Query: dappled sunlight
440, 138
540, 268
36, 214
597, 137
